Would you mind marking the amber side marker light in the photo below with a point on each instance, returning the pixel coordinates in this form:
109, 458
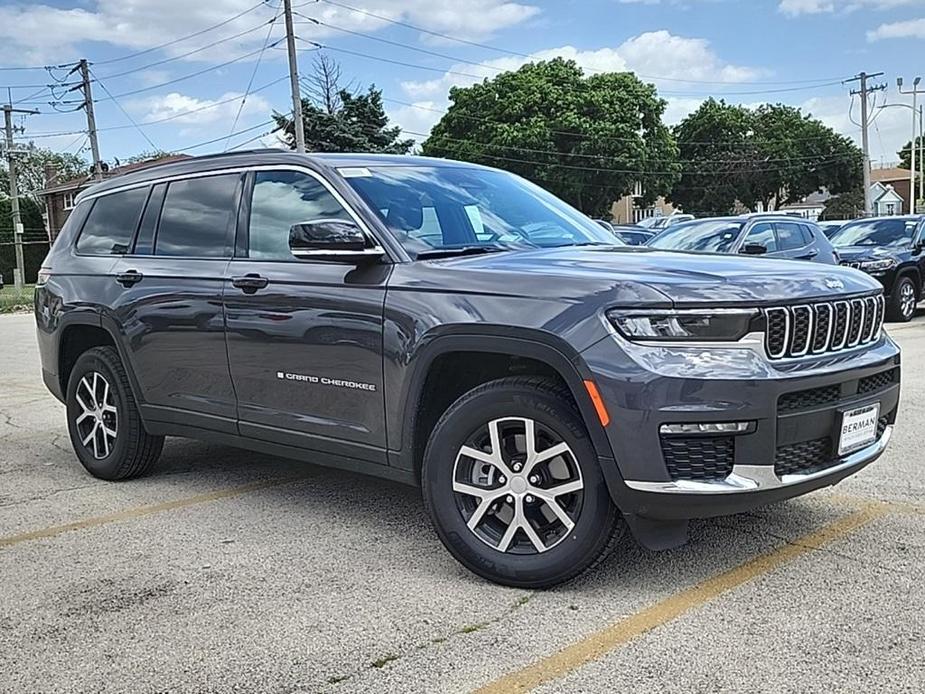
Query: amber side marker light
598, 403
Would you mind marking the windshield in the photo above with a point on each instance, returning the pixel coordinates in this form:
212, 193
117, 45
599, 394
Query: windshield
710, 236
433, 210
875, 232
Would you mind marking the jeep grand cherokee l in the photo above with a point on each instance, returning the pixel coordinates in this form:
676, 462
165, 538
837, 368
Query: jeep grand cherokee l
457, 327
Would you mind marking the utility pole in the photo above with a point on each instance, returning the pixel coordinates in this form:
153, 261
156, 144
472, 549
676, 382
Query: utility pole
863, 92
922, 154
294, 80
912, 143
84, 87
8, 111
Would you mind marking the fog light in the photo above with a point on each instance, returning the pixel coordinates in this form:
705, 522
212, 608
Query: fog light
706, 428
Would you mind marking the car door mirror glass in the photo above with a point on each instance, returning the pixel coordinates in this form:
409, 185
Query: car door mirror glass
321, 236
754, 249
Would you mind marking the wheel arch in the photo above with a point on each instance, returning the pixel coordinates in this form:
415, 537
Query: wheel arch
913, 272
537, 352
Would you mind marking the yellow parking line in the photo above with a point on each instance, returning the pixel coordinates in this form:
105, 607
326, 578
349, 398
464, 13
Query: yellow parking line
142, 511
598, 644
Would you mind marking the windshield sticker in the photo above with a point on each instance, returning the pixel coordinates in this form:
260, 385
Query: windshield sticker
355, 172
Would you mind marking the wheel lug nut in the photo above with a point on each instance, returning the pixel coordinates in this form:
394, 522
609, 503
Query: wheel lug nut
517, 467
534, 479
510, 499
529, 499
501, 479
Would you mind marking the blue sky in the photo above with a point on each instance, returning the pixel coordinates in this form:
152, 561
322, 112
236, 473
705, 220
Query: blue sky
793, 51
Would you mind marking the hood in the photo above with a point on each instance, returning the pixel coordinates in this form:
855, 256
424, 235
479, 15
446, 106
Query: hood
633, 274
857, 253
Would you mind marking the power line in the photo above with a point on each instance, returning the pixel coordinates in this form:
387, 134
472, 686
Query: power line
250, 82
124, 112
533, 57
179, 40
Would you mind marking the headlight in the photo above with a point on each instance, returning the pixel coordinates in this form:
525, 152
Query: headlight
878, 265
717, 325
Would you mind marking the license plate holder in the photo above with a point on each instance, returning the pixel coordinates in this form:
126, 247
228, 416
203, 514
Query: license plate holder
858, 428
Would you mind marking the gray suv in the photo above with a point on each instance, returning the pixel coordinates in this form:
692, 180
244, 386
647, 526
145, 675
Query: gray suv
456, 327
771, 235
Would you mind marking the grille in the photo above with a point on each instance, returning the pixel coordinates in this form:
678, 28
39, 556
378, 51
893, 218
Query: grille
699, 458
807, 399
823, 327
884, 379
809, 456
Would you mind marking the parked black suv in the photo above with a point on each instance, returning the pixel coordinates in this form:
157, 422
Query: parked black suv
457, 327
890, 249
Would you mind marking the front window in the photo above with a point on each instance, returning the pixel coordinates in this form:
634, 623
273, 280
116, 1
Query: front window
441, 209
709, 236
875, 232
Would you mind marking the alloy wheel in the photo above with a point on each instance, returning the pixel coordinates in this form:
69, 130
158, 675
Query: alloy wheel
907, 299
98, 422
518, 486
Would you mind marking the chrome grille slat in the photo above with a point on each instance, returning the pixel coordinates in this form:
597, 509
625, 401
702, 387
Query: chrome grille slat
822, 327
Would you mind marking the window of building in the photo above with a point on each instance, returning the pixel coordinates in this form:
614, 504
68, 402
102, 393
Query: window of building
111, 224
198, 217
69, 201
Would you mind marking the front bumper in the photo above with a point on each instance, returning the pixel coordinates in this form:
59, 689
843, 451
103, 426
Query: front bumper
790, 448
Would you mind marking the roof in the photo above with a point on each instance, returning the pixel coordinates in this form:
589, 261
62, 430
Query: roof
893, 173
229, 160
85, 181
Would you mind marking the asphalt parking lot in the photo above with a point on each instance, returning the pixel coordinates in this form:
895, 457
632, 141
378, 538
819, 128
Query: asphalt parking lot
227, 571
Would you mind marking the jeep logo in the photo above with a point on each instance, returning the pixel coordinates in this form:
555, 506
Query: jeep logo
833, 283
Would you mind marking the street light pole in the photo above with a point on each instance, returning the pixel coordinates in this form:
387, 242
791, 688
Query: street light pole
912, 143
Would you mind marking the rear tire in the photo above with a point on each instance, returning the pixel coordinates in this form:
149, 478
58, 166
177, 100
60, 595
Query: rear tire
903, 300
475, 501
103, 421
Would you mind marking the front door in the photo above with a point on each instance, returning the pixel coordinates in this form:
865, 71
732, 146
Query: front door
304, 336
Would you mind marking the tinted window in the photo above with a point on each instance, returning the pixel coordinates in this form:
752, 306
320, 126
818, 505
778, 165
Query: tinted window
111, 225
790, 236
762, 233
445, 207
709, 235
281, 199
198, 216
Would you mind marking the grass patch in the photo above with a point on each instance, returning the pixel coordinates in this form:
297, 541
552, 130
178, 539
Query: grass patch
384, 660
12, 299
469, 628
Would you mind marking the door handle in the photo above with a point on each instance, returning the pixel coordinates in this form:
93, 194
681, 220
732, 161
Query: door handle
129, 278
808, 256
250, 282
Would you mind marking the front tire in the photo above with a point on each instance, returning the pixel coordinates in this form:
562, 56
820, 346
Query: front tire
903, 300
514, 488
103, 421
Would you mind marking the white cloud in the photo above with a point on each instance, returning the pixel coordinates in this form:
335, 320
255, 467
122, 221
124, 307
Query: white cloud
206, 112
35, 33
911, 29
795, 8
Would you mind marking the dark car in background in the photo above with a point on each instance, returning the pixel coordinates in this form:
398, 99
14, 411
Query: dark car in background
660, 223
775, 236
633, 235
831, 226
890, 249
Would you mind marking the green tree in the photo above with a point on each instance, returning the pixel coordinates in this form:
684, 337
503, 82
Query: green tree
30, 169
589, 140
33, 233
905, 155
355, 123
847, 205
770, 155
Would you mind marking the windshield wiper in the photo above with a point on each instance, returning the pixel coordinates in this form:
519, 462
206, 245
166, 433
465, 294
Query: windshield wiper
458, 250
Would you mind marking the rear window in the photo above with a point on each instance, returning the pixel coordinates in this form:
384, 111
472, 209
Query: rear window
111, 223
791, 236
198, 217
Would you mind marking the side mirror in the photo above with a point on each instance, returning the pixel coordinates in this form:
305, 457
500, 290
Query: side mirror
754, 249
330, 239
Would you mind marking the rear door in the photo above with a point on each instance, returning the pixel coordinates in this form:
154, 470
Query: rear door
794, 241
304, 336
170, 301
